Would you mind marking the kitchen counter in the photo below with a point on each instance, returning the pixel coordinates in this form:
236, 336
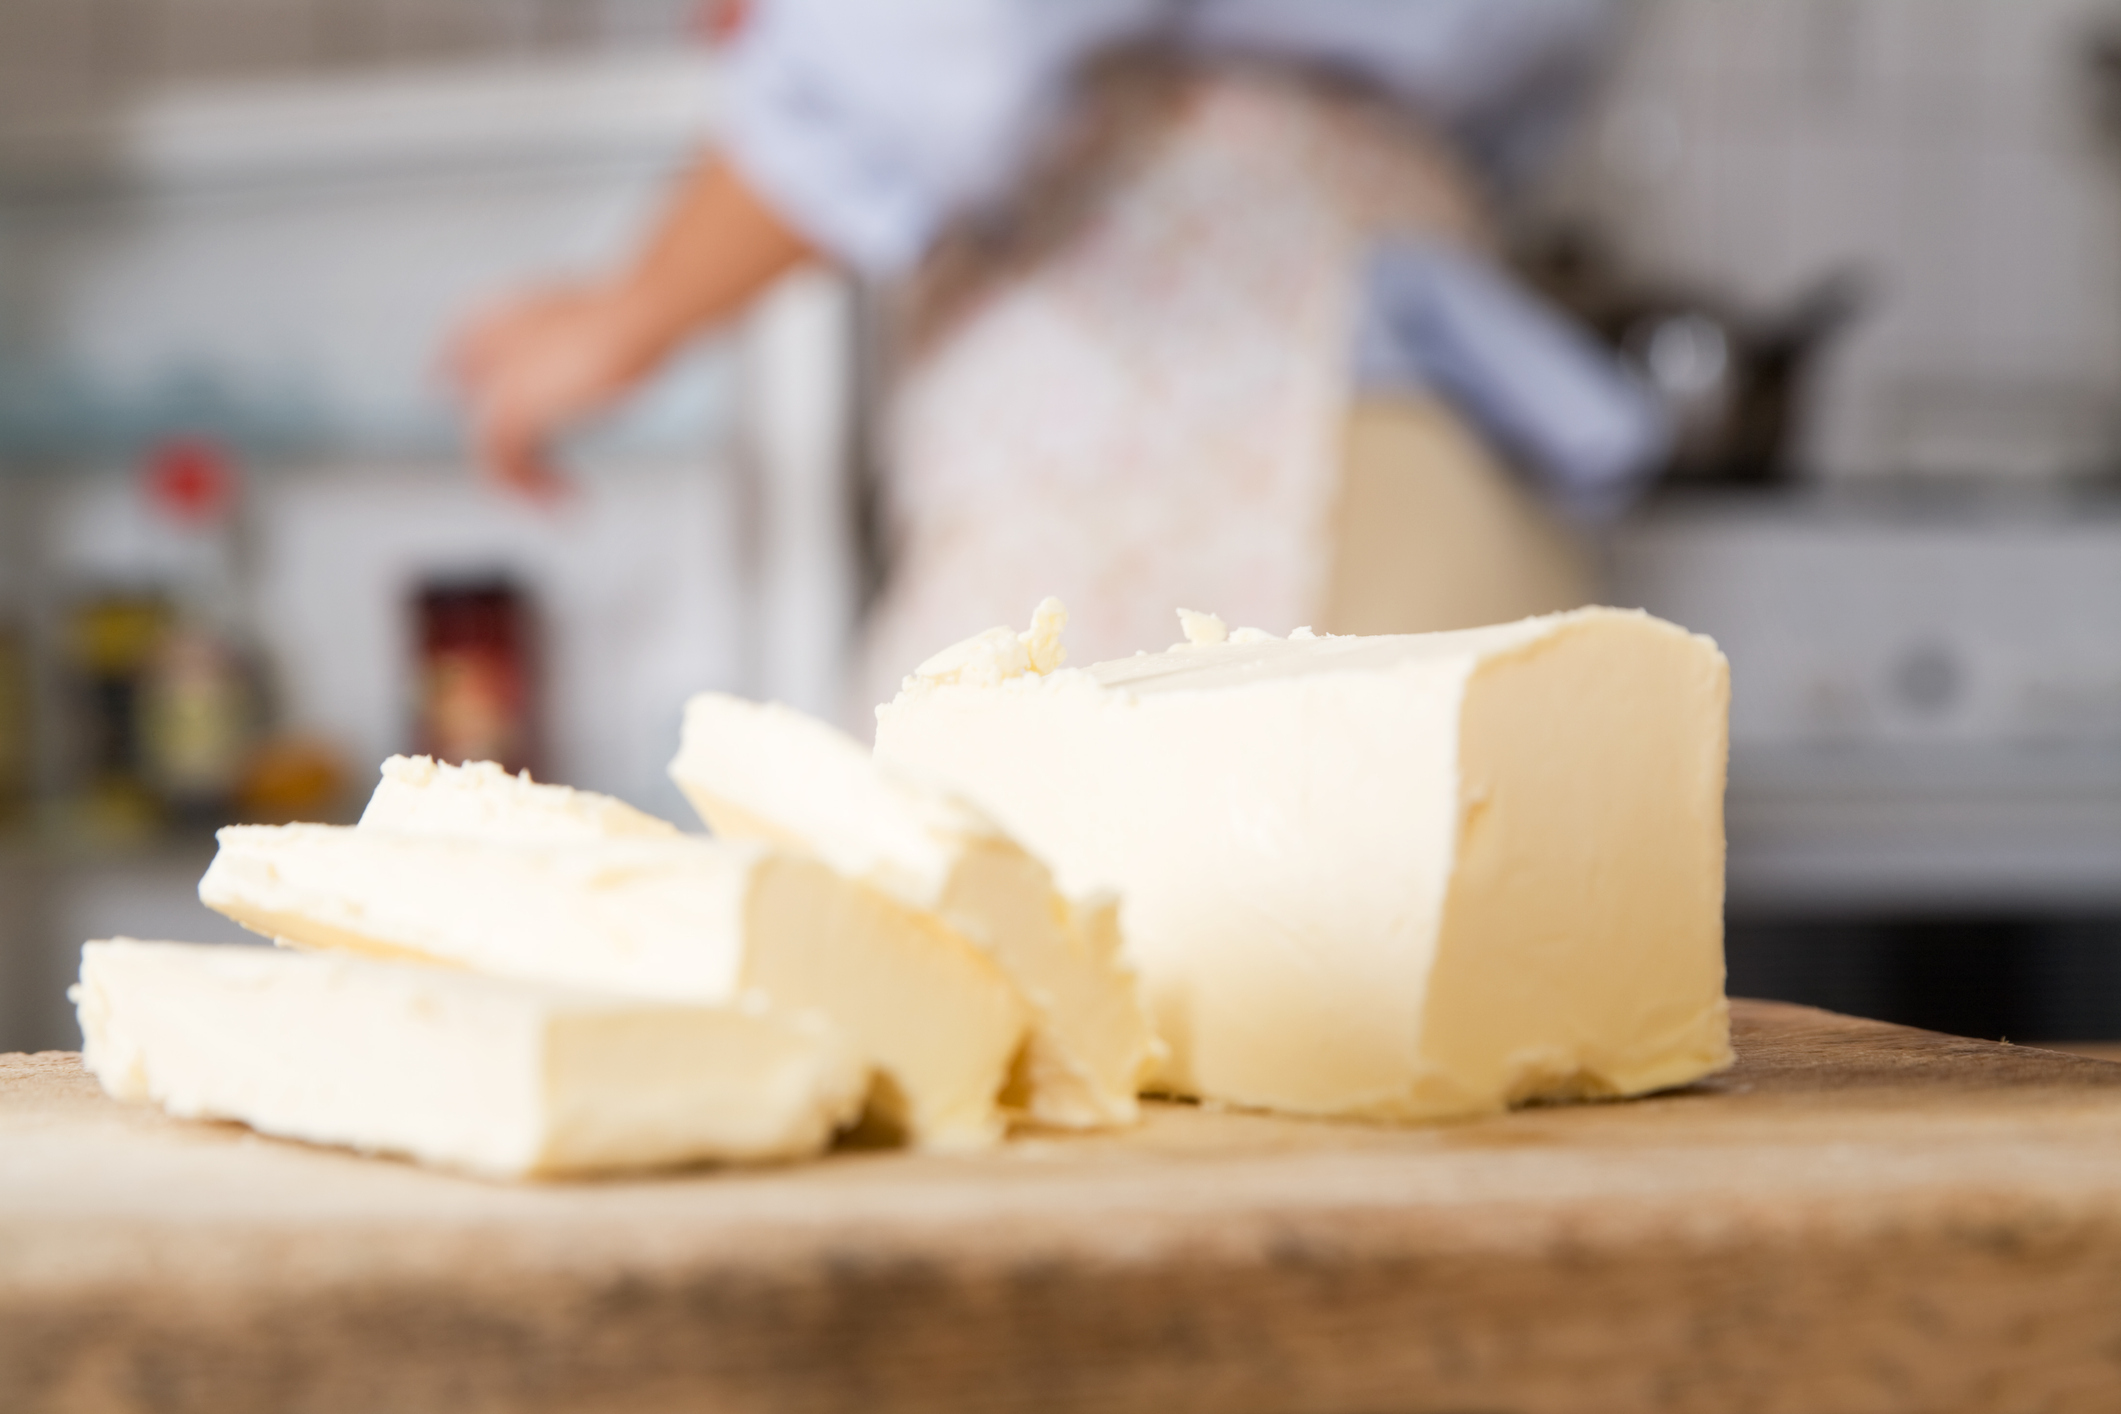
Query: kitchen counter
1858, 1217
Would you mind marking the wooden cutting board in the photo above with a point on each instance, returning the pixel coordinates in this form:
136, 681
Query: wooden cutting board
1859, 1217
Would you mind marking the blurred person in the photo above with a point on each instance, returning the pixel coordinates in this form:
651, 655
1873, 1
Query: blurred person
1192, 306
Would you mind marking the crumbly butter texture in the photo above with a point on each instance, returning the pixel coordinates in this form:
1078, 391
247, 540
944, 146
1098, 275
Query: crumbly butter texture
677, 918
763, 771
1408, 876
1000, 653
479, 798
499, 1078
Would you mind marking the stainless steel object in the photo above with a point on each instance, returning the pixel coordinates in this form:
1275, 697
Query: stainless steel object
1926, 691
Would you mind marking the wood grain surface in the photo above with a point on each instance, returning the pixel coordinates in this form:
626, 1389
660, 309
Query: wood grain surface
1859, 1217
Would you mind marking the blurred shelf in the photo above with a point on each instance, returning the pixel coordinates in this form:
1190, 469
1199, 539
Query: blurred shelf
439, 119
295, 252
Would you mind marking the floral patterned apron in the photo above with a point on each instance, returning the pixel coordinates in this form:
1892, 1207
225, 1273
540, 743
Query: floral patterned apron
1132, 390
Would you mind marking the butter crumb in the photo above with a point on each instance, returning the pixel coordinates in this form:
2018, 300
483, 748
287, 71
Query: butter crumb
998, 654
1301, 635
1253, 635
1042, 645
1201, 629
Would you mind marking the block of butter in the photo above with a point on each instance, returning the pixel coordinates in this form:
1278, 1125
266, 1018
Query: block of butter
1405, 877
677, 918
479, 798
499, 1078
762, 771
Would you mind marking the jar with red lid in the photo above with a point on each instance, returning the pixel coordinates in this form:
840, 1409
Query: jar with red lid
477, 673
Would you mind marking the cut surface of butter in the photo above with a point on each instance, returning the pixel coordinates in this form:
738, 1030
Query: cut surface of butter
678, 918
498, 1078
763, 771
418, 793
1409, 876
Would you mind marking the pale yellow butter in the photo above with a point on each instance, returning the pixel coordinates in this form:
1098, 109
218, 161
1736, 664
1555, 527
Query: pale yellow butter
762, 771
1404, 876
500, 1078
479, 798
676, 918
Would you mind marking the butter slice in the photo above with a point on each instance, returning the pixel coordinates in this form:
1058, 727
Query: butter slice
678, 919
1405, 877
760, 771
504, 1079
479, 798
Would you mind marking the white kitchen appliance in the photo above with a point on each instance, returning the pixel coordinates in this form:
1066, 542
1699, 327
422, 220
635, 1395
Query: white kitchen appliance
1926, 691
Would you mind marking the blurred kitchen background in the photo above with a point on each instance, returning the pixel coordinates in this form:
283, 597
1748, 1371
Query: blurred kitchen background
1869, 251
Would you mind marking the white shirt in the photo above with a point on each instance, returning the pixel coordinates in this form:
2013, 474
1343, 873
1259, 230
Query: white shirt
871, 124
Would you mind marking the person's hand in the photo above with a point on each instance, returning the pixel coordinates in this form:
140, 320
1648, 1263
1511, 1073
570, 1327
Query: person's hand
530, 367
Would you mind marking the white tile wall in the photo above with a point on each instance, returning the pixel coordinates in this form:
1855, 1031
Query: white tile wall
1945, 146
